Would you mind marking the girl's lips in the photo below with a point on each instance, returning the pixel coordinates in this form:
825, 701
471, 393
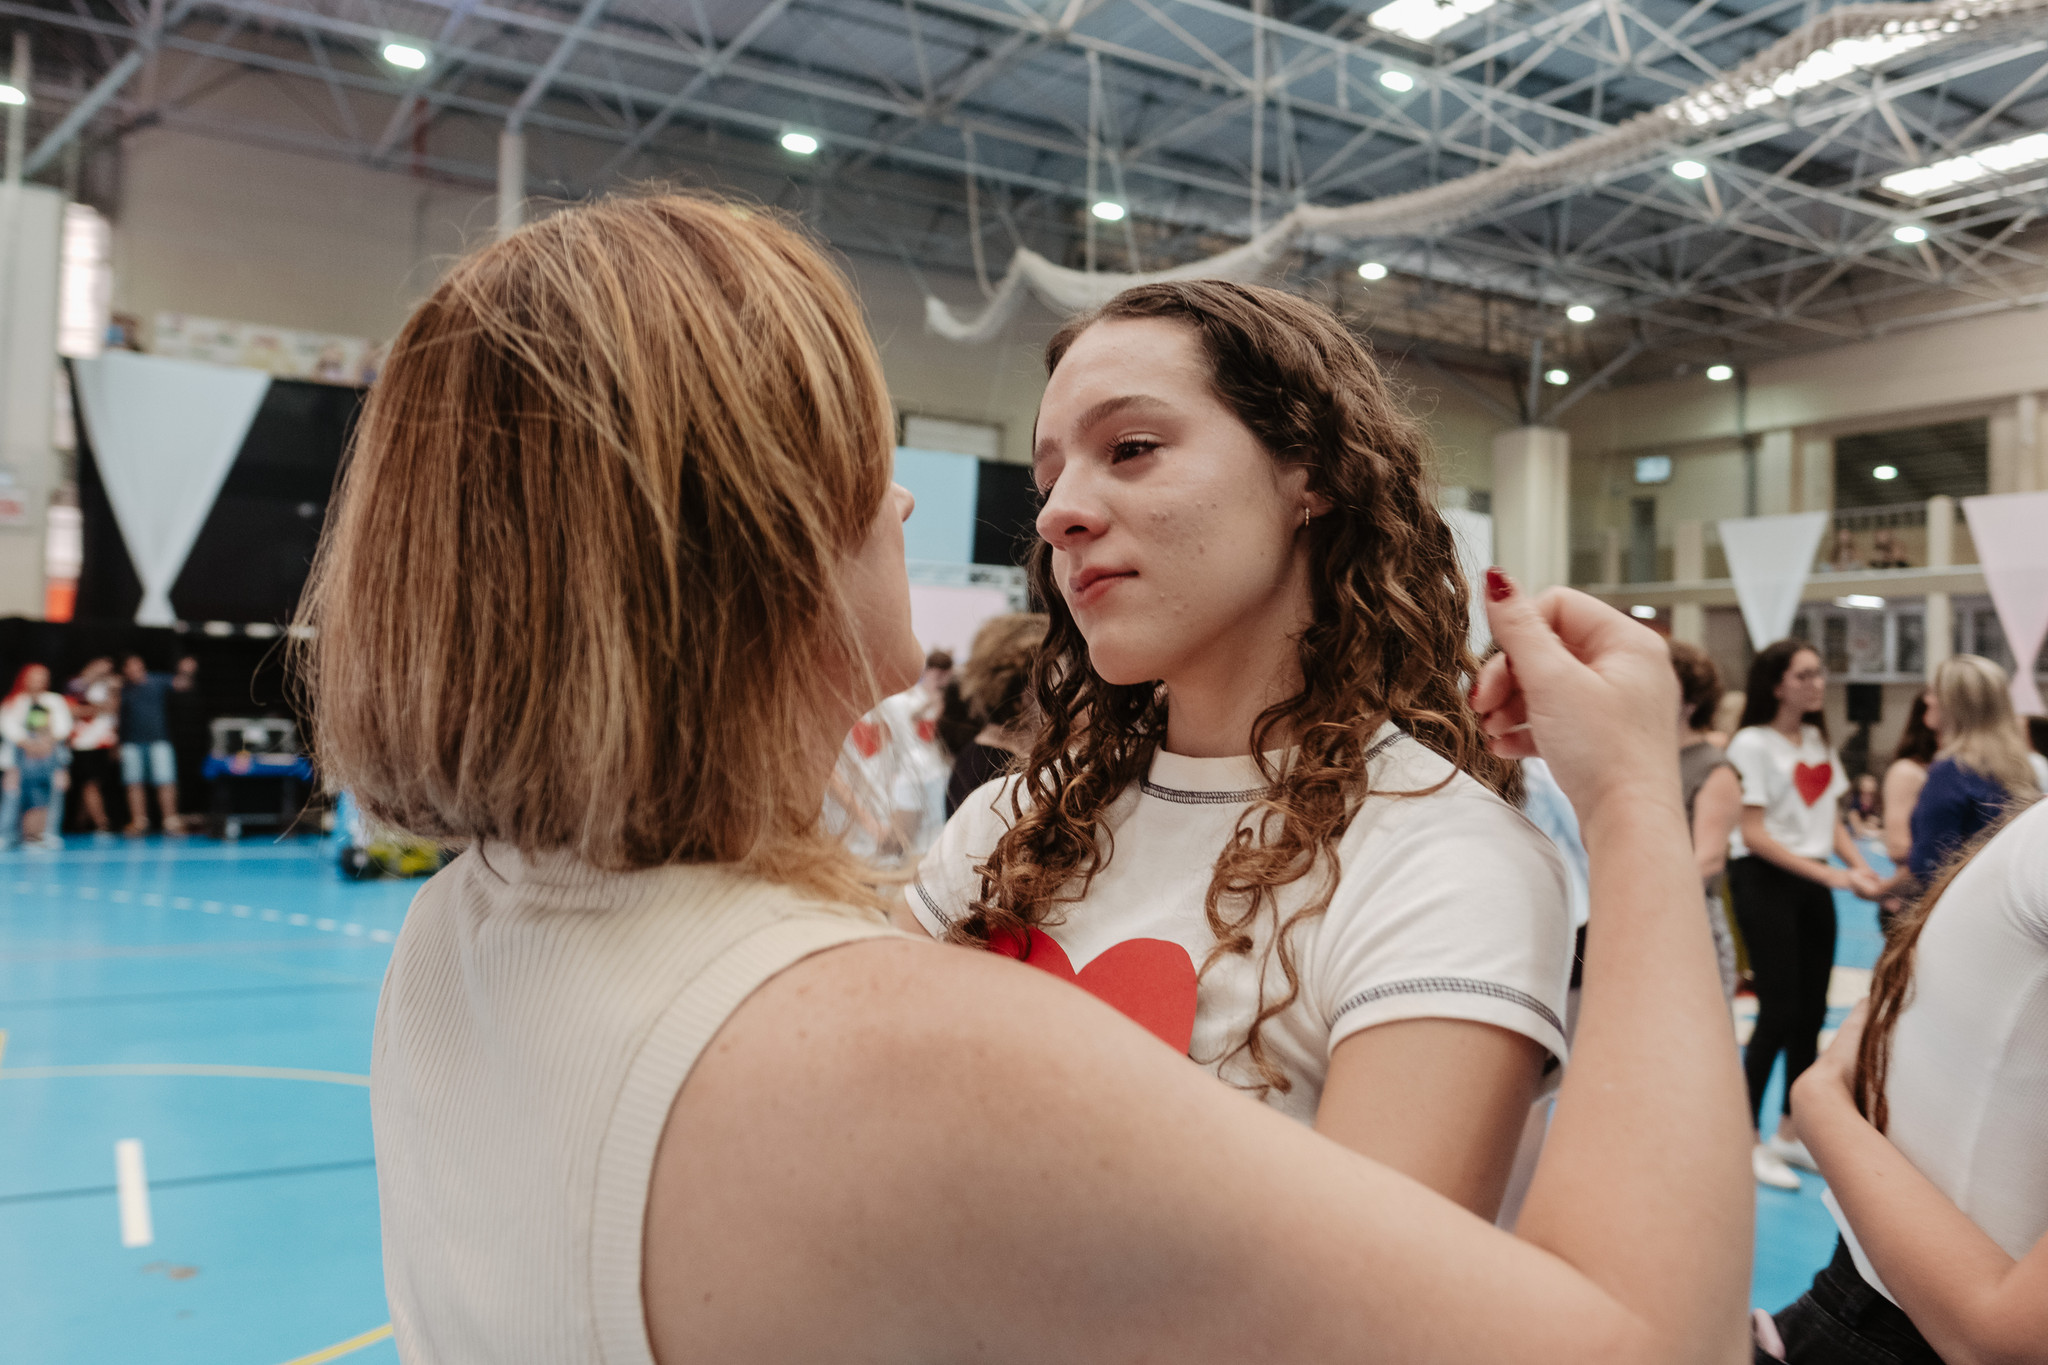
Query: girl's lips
1093, 587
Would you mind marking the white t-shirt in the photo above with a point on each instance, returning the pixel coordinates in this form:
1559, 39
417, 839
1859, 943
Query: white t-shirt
1798, 785
1968, 1082
1449, 906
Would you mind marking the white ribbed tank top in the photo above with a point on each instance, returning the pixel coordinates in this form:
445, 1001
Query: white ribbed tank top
536, 1022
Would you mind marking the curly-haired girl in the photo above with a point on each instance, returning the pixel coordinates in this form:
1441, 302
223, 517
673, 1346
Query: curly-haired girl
1261, 818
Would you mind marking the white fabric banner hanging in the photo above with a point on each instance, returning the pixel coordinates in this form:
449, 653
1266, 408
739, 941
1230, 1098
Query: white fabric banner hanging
164, 433
2011, 531
1770, 558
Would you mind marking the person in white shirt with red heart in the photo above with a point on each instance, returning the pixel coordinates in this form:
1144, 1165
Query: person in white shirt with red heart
1781, 880
1260, 818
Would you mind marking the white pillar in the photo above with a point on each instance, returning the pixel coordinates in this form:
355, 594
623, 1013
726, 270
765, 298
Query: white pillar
31, 245
1814, 489
1774, 475
1532, 504
2014, 432
1689, 565
511, 181
1941, 541
2027, 411
18, 76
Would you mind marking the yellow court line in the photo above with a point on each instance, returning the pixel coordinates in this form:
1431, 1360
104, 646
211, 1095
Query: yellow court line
3, 1044
260, 1073
343, 1348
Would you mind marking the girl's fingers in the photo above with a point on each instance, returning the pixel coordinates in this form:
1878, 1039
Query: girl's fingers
1517, 743
1511, 714
1496, 681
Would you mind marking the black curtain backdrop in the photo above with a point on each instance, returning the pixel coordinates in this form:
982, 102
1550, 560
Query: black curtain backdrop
1005, 511
256, 545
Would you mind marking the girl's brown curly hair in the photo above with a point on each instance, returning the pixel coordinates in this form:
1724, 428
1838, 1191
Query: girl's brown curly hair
1388, 639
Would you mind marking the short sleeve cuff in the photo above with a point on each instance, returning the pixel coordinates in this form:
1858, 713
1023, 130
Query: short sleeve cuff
1452, 997
925, 906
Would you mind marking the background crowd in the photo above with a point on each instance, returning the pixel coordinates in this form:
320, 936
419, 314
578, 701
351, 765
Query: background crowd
113, 735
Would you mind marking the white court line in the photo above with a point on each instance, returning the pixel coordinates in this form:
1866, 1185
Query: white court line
131, 1184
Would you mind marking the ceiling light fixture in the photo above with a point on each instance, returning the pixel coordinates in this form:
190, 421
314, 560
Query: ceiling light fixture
1559, 377
1688, 170
1580, 312
1861, 601
1422, 20
1372, 270
1642, 612
1910, 233
1720, 373
1885, 473
1400, 82
803, 144
12, 95
405, 55
1997, 159
1108, 210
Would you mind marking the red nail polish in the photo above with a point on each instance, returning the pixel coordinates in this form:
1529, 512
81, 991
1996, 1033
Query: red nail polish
1498, 585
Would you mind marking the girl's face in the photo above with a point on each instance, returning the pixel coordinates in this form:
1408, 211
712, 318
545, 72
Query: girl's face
1933, 716
1173, 531
1805, 684
36, 679
878, 590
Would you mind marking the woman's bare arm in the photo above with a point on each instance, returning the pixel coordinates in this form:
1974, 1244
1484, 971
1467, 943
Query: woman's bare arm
1715, 811
1975, 1304
1759, 841
1902, 784
877, 1159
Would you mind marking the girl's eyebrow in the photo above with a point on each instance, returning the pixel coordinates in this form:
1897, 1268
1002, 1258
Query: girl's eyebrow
1107, 408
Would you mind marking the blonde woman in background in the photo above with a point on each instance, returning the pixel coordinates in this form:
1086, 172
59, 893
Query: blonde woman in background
653, 1083
1980, 769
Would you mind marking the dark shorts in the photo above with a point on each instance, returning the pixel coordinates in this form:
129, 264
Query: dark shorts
1843, 1321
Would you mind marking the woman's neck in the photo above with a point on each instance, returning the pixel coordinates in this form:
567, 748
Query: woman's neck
1214, 700
1789, 723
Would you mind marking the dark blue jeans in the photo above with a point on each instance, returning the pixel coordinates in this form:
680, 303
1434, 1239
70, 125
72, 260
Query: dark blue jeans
1843, 1321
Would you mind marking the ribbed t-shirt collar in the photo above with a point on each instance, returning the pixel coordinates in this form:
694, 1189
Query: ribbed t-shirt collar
1237, 774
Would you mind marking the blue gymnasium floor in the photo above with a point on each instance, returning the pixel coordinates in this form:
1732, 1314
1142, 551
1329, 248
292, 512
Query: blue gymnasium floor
215, 1003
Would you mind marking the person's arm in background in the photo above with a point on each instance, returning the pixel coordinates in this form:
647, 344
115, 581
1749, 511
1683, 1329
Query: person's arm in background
1902, 784
1715, 811
1862, 880
1856, 877
1975, 1304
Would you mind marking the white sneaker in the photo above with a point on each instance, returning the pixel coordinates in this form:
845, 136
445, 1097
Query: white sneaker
1770, 1169
1792, 1152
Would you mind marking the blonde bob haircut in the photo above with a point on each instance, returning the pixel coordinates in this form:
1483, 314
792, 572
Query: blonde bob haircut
1978, 727
583, 590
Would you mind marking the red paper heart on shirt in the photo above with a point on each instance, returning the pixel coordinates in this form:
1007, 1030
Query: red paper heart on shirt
867, 737
1145, 979
1812, 779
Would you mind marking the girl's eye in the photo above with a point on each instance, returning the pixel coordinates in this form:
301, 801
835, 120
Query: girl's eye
1131, 447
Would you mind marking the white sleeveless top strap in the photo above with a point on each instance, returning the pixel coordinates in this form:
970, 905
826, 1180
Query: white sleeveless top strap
537, 1021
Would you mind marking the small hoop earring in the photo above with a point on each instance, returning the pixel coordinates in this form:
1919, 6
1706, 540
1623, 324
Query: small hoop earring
1304, 518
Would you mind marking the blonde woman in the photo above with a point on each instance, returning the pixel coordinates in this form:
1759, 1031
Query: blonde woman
1980, 768
652, 1082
